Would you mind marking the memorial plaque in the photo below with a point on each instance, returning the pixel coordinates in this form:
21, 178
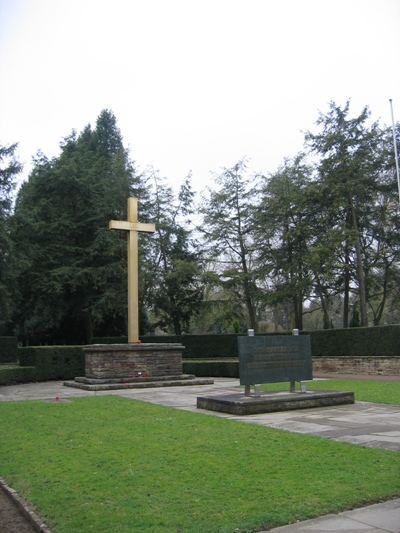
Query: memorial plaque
274, 359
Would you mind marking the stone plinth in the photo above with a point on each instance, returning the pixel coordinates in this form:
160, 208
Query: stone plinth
109, 361
92, 384
269, 402
134, 366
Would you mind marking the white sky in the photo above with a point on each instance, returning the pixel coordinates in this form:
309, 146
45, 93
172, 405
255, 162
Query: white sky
194, 84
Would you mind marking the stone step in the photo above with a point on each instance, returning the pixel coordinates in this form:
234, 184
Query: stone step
141, 383
273, 401
133, 379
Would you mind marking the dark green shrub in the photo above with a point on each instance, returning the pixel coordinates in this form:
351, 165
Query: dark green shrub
108, 340
356, 342
54, 362
216, 369
8, 350
16, 374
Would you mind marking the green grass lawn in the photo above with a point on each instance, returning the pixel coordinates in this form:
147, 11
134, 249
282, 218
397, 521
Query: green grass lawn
366, 391
110, 464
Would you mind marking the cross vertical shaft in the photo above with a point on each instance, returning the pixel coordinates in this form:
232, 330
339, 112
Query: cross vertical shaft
133, 227
133, 270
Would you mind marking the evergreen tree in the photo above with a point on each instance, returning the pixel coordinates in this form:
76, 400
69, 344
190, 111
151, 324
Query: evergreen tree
381, 233
9, 170
173, 277
284, 236
228, 231
348, 176
72, 267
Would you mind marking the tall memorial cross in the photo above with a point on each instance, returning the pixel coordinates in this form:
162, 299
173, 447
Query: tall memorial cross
132, 226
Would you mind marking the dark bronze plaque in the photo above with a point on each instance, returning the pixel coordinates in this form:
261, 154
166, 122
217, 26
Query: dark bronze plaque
274, 359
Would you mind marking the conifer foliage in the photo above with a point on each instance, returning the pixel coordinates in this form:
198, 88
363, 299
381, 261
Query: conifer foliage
9, 170
173, 275
72, 268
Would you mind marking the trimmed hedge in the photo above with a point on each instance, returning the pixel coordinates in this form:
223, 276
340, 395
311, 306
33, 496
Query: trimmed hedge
374, 341
196, 346
54, 362
8, 350
109, 340
380, 341
202, 346
12, 375
204, 354
211, 368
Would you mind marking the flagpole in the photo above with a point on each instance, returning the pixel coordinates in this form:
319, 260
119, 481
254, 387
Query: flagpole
395, 148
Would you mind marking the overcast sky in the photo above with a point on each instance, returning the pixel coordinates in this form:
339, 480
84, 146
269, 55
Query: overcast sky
194, 84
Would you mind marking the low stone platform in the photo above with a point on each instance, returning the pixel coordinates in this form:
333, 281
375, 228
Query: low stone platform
269, 402
109, 361
96, 384
111, 367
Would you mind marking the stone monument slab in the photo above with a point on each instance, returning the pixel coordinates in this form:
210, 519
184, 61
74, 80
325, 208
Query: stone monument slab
274, 359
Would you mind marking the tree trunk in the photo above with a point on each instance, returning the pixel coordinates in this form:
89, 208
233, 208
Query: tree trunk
327, 319
250, 308
88, 328
298, 310
381, 307
247, 288
346, 297
177, 327
360, 271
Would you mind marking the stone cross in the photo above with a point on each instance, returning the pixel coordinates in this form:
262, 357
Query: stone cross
133, 227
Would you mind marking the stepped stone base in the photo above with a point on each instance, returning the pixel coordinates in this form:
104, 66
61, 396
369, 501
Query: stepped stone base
134, 366
91, 384
269, 402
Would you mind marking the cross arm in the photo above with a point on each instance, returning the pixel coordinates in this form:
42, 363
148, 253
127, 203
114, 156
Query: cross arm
132, 226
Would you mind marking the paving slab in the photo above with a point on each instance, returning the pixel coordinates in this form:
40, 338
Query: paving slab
378, 518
